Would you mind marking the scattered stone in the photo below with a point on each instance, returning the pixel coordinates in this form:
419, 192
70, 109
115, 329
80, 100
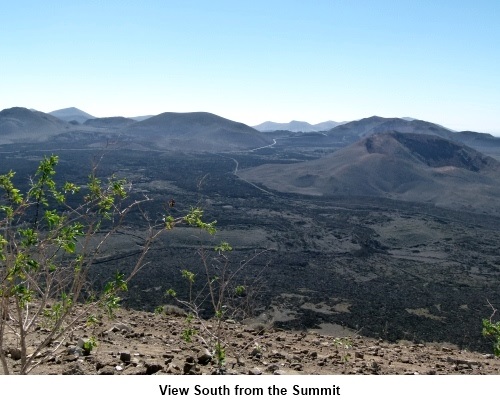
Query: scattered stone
73, 369
272, 368
277, 353
69, 358
468, 363
188, 367
173, 368
120, 327
106, 370
135, 371
125, 357
75, 351
204, 357
152, 368
15, 353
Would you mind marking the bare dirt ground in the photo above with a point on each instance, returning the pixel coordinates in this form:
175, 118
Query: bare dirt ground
137, 342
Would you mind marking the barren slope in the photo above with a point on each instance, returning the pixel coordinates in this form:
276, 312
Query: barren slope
196, 132
409, 167
19, 124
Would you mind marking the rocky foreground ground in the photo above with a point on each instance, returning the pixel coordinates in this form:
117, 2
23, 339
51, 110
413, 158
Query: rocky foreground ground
145, 343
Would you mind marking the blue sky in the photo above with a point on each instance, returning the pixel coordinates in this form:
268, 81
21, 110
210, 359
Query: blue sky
253, 61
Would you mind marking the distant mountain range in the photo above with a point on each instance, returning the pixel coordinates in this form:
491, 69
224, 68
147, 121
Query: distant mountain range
201, 131
109, 122
296, 126
196, 131
350, 132
71, 114
355, 130
398, 158
179, 131
22, 125
76, 115
404, 166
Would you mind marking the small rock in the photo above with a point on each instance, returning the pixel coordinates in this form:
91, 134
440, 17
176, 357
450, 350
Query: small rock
73, 369
125, 357
15, 353
204, 357
358, 355
69, 358
256, 352
135, 371
106, 370
255, 371
152, 368
121, 327
277, 355
272, 368
173, 368
75, 351
188, 367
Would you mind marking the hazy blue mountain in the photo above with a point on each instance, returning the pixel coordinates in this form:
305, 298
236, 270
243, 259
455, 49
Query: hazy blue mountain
354, 130
72, 114
109, 122
141, 117
197, 131
295, 126
20, 124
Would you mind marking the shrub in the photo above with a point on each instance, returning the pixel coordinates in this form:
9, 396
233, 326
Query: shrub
48, 244
221, 293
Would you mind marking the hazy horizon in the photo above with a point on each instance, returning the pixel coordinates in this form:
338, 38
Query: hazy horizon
340, 122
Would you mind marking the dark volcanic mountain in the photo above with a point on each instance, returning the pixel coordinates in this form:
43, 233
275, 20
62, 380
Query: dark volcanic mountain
352, 131
198, 131
410, 167
109, 122
71, 114
19, 124
192, 132
296, 126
